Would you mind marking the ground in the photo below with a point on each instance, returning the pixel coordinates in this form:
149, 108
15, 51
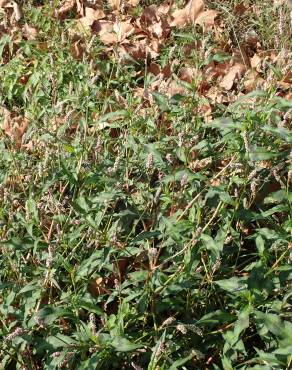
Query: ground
145, 184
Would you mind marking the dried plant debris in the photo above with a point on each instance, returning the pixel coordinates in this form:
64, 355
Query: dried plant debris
145, 184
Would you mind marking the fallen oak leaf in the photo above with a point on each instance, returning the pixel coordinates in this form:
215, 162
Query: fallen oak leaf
91, 15
164, 8
65, 8
240, 9
14, 127
123, 30
149, 16
133, 2
236, 71
252, 80
77, 50
206, 19
29, 32
188, 74
188, 14
113, 33
115, 4
256, 62
16, 11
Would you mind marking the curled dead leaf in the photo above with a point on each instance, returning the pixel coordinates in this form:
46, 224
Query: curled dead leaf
188, 14
236, 71
187, 74
113, 33
240, 8
200, 164
154, 68
206, 19
65, 8
29, 32
3, 3
115, 4
77, 50
90, 16
99, 286
14, 127
17, 13
256, 62
133, 2
252, 81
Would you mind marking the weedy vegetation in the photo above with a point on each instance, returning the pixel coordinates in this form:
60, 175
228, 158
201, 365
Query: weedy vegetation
145, 185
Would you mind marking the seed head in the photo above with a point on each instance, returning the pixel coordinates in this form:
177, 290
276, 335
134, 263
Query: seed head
184, 181
168, 157
168, 321
181, 328
149, 162
92, 323
180, 139
161, 348
16, 333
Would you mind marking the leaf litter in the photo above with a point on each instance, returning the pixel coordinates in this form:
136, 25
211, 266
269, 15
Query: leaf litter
230, 70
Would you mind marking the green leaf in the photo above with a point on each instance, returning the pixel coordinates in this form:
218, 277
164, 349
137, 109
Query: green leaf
233, 284
60, 341
49, 314
89, 306
124, 345
215, 318
88, 265
162, 101
181, 361
215, 246
227, 365
278, 197
91, 363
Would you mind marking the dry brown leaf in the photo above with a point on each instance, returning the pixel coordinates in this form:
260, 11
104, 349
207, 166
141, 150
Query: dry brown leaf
99, 286
159, 29
188, 14
236, 71
187, 74
206, 19
179, 18
200, 164
288, 77
188, 48
123, 30
252, 81
154, 68
133, 2
113, 33
213, 70
174, 88
256, 62
205, 110
16, 11
121, 100
115, 4
29, 32
3, 3
14, 127
77, 50
65, 8
90, 16
164, 8
149, 16
240, 9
